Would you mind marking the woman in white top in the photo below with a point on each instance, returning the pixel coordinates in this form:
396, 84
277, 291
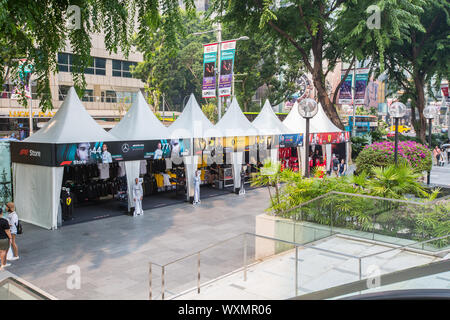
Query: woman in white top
13, 219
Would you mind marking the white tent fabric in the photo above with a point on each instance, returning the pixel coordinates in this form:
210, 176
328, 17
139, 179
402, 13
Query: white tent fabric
234, 123
71, 124
36, 193
192, 123
139, 123
268, 123
320, 123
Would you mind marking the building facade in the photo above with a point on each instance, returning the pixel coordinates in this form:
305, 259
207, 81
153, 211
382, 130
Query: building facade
110, 89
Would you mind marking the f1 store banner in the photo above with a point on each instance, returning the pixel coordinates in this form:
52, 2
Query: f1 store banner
209, 70
227, 52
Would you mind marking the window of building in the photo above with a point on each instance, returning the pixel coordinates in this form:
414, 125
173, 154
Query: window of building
62, 92
109, 96
97, 65
88, 96
122, 68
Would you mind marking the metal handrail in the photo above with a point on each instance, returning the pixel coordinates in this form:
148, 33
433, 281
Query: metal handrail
295, 244
405, 246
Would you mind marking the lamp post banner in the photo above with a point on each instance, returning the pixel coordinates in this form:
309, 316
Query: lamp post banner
361, 78
227, 51
209, 70
345, 92
444, 89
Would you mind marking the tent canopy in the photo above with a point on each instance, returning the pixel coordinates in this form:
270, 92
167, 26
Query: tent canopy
268, 123
235, 123
140, 123
71, 124
320, 123
192, 123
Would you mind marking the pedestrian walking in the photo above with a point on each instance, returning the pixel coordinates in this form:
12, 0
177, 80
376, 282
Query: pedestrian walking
335, 165
342, 168
13, 220
138, 194
197, 181
5, 238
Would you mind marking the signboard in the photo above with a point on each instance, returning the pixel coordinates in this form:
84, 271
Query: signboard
227, 52
328, 138
33, 153
345, 92
291, 140
55, 155
107, 152
361, 78
209, 70
444, 88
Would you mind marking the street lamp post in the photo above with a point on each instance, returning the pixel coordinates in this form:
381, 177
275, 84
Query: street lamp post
219, 43
429, 113
397, 110
307, 109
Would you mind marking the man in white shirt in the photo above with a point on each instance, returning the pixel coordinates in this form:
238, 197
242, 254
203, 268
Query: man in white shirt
137, 197
106, 155
158, 152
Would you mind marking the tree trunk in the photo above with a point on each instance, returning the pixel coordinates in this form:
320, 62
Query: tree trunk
325, 101
420, 103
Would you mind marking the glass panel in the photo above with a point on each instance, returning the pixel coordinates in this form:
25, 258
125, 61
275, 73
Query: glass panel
116, 73
63, 68
100, 72
117, 65
100, 63
126, 74
63, 58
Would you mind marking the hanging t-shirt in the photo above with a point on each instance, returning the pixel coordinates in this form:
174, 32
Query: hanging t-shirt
103, 168
143, 167
122, 170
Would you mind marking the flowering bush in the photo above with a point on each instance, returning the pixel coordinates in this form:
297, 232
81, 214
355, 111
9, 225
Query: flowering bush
381, 154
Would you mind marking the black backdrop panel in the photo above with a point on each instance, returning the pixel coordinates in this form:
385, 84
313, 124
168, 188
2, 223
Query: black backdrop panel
42, 154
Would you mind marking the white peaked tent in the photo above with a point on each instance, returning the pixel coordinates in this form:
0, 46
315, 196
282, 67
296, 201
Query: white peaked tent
139, 123
268, 123
37, 188
234, 123
71, 124
320, 123
192, 123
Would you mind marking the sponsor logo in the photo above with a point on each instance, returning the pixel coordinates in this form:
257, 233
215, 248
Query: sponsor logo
65, 163
30, 153
125, 148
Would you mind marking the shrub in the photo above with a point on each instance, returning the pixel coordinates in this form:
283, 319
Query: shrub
381, 154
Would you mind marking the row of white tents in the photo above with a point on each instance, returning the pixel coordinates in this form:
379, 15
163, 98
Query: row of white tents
37, 188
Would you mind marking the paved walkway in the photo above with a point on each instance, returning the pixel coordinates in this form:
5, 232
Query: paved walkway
440, 175
317, 270
113, 253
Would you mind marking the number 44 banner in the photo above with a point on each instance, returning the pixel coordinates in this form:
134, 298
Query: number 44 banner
227, 52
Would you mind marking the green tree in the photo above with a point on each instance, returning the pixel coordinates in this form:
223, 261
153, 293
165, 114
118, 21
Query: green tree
36, 30
321, 32
210, 111
420, 57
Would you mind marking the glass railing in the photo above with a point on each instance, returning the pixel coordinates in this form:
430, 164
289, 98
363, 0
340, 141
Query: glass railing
15, 289
391, 221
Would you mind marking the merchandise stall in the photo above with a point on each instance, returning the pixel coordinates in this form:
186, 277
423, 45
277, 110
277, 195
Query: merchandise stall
325, 139
276, 141
193, 125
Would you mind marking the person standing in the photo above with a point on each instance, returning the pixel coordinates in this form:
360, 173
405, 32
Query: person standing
5, 238
138, 194
335, 165
13, 220
197, 182
342, 168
